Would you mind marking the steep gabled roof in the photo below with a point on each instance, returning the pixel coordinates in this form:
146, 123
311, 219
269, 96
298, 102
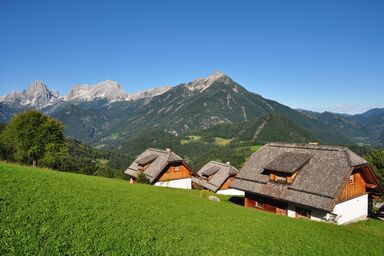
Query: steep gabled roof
153, 161
213, 175
324, 171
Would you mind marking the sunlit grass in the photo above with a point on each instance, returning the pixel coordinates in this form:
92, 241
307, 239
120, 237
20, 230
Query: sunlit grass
191, 138
48, 213
222, 141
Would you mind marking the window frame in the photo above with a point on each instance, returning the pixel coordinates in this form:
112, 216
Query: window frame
259, 204
351, 179
282, 179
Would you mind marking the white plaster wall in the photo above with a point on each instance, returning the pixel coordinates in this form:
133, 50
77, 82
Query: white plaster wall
291, 211
316, 215
351, 210
181, 183
347, 211
231, 192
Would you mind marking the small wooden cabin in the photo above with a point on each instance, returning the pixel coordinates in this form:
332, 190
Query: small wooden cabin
161, 168
217, 177
328, 183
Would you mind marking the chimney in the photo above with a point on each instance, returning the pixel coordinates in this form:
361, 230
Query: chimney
228, 163
168, 149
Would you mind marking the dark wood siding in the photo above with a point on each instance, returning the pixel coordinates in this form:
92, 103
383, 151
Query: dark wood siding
265, 204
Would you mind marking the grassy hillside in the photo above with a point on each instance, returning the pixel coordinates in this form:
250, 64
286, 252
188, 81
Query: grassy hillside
48, 213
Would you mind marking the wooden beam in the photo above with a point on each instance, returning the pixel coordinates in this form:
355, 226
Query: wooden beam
370, 185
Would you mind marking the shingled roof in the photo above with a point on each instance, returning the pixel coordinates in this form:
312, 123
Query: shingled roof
288, 162
321, 178
213, 175
154, 160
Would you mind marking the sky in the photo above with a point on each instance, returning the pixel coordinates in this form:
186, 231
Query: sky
316, 55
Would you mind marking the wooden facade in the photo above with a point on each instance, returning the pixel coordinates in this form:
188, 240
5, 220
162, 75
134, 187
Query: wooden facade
265, 204
227, 183
175, 172
355, 186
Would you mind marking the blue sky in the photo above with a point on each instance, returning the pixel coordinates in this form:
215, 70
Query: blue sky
317, 55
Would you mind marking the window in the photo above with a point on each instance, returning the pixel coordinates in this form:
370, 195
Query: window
351, 179
177, 168
259, 204
280, 178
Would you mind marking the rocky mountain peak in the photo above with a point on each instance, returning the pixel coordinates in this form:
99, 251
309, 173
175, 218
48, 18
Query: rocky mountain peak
202, 84
111, 91
108, 89
149, 93
217, 75
37, 85
37, 95
39, 90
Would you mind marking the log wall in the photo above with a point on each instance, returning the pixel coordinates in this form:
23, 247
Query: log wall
353, 188
171, 174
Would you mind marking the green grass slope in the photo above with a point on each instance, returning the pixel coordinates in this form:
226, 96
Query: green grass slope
44, 212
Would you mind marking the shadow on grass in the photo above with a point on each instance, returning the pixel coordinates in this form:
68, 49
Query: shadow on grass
237, 200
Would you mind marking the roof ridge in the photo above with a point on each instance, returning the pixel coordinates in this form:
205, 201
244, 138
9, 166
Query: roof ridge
348, 158
216, 162
349, 153
307, 146
171, 152
169, 156
161, 150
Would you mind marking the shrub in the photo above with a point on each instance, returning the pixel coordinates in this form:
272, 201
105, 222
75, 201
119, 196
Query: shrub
142, 178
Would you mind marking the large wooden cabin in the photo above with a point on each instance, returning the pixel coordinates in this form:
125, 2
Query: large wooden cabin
217, 177
161, 168
328, 183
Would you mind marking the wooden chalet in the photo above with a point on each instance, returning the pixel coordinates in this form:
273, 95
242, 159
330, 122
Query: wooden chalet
217, 177
161, 168
317, 182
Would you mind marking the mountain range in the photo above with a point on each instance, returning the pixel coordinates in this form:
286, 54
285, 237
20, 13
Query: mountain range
39, 96
104, 115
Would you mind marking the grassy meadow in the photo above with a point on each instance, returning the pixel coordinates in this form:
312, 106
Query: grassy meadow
44, 212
